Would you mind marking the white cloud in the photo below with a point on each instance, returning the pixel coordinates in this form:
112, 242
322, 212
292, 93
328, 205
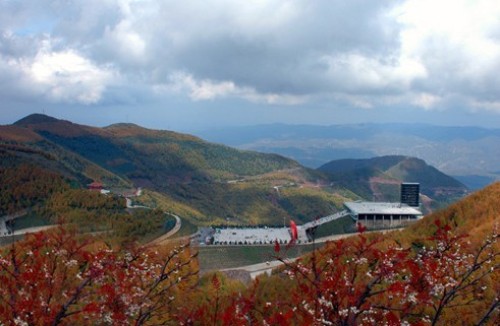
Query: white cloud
199, 90
493, 106
356, 73
206, 89
126, 43
425, 100
366, 53
456, 40
59, 75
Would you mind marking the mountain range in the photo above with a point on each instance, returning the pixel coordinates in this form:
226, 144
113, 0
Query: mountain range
204, 182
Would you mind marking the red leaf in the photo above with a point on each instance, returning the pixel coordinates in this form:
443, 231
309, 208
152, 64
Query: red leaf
361, 227
392, 319
91, 308
277, 246
215, 282
396, 287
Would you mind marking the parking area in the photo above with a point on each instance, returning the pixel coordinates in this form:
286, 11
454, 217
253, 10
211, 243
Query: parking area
241, 236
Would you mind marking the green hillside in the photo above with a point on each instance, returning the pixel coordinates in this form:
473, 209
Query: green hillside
379, 179
209, 183
135, 151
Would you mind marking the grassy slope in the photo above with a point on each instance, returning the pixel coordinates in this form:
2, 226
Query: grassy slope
475, 215
194, 177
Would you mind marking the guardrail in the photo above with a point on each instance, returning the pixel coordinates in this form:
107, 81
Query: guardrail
323, 220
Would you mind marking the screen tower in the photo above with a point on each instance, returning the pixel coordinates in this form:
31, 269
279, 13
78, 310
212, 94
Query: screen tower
410, 194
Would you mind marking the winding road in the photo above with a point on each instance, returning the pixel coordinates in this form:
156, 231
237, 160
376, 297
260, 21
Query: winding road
166, 236
4, 230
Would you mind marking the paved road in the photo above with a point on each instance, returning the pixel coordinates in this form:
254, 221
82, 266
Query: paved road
160, 240
34, 229
129, 204
167, 235
4, 230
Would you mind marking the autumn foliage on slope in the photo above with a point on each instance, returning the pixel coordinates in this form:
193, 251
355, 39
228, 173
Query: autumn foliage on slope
51, 279
443, 276
440, 278
355, 282
25, 186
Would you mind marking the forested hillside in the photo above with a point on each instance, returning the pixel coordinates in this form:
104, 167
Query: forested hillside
209, 183
138, 152
219, 184
26, 186
19, 145
379, 178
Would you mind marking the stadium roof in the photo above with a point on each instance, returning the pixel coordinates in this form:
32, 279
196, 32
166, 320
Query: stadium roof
361, 207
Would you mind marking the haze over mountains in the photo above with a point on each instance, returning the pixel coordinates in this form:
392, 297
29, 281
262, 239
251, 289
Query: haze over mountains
471, 154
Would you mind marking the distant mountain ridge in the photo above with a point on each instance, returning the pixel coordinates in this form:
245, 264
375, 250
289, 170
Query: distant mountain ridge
35, 118
248, 134
472, 154
119, 141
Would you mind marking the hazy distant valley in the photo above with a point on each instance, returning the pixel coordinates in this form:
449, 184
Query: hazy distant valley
470, 154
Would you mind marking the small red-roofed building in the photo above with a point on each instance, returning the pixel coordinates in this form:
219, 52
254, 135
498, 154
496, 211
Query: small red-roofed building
95, 186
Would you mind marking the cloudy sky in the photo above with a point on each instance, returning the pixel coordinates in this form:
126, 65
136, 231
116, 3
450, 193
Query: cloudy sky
187, 65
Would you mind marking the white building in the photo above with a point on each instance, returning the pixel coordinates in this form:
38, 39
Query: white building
382, 215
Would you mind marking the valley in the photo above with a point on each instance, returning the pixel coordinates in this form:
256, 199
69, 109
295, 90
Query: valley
203, 182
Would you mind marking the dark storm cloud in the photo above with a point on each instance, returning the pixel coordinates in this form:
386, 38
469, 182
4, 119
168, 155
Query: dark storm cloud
289, 57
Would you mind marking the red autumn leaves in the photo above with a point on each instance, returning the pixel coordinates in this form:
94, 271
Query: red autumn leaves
54, 279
